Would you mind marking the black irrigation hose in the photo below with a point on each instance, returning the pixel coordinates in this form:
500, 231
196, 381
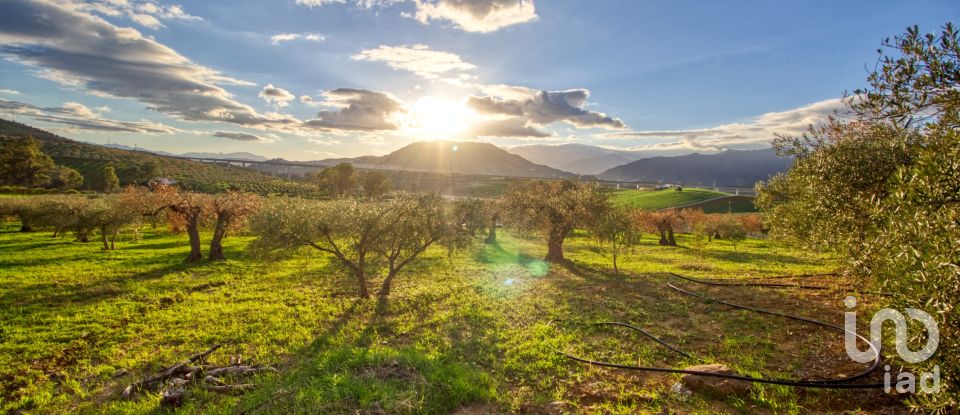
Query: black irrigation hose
752, 284
836, 383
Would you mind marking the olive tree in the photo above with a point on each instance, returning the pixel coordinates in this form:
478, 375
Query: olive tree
881, 190
350, 230
663, 222
417, 222
229, 212
553, 208
182, 208
617, 232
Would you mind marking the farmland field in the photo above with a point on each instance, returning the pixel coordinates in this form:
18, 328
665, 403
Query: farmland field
659, 199
465, 333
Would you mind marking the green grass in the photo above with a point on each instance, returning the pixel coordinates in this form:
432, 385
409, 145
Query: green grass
659, 199
467, 331
729, 204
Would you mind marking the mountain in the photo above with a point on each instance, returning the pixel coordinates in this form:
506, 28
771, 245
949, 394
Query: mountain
457, 157
583, 158
240, 155
735, 168
90, 159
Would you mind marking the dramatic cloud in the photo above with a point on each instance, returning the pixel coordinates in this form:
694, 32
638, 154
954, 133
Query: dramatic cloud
276, 96
81, 117
477, 15
286, 37
419, 59
510, 127
358, 110
546, 107
755, 133
234, 135
83, 51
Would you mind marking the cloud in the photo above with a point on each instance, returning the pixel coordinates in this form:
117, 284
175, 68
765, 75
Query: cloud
276, 96
477, 15
757, 132
317, 3
287, 37
510, 127
358, 110
81, 117
419, 59
469, 15
83, 51
235, 135
9, 92
546, 107
147, 14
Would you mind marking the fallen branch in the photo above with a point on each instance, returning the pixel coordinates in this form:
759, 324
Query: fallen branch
195, 370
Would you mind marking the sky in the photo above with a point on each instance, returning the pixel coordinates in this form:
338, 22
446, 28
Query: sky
315, 79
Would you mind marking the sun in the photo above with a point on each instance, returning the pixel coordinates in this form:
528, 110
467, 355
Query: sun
436, 118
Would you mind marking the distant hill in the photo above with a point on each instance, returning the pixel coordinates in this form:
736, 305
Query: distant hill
583, 158
456, 157
734, 168
90, 159
240, 155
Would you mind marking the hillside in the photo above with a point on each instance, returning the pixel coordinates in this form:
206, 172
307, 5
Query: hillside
737, 168
582, 158
456, 157
240, 155
660, 199
90, 159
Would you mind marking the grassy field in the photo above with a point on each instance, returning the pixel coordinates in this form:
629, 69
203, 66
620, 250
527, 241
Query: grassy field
728, 204
465, 334
659, 199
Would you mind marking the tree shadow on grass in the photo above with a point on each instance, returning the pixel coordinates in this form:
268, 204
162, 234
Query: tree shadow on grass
745, 257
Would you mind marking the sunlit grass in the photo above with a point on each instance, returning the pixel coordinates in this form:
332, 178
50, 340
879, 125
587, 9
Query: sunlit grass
467, 330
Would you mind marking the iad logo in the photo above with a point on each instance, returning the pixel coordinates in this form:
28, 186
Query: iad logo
906, 381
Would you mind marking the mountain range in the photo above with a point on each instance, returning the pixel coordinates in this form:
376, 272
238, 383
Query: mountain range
734, 168
461, 157
583, 158
240, 155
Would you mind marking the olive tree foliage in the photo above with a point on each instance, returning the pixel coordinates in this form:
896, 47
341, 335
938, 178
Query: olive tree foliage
882, 190
364, 237
554, 209
418, 222
83, 216
825, 201
618, 232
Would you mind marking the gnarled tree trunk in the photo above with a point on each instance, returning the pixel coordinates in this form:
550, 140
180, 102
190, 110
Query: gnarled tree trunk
216, 243
193, 231
555, 246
